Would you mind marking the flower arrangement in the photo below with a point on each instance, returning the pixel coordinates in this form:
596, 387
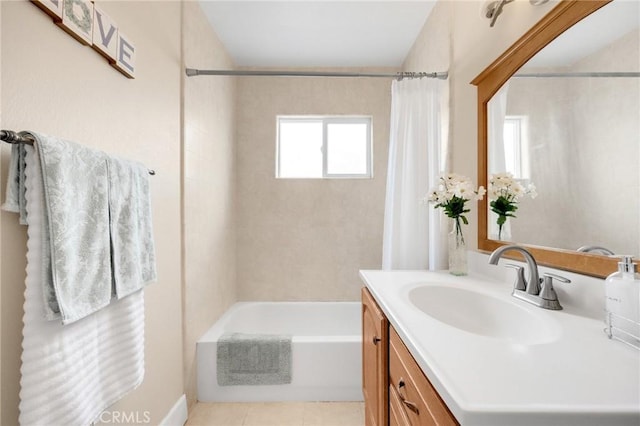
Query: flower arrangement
451, 194
505, 192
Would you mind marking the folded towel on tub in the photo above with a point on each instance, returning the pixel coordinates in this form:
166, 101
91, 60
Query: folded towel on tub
130, 226
253, 359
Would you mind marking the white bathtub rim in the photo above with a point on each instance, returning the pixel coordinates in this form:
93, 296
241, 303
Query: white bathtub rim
218, 328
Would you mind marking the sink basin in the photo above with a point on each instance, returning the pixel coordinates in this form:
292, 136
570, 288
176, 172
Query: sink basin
484, 315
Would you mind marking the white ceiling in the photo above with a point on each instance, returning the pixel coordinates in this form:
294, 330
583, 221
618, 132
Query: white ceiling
306, 33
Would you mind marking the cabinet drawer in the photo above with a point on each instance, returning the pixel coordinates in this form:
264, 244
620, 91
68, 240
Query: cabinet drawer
418, 400
397, 416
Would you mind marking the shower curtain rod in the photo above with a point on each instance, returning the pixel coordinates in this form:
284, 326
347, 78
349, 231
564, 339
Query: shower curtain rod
191, 72
12, 137
578, 74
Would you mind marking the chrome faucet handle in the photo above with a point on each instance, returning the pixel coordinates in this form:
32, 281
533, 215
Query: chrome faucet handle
520, 283
548, 294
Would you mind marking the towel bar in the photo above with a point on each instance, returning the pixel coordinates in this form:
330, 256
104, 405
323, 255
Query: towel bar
12, 137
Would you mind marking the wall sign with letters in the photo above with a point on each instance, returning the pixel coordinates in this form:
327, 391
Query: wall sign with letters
87, 23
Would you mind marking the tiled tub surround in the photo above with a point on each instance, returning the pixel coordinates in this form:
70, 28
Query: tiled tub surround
326, 356
576, 377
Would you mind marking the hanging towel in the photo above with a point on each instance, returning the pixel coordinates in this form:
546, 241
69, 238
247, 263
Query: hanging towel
15, 196
71, 373
77, 262
130, 226
253, 359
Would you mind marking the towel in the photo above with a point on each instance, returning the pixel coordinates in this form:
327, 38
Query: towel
15, 196
76, 261
97, 230
71, 373
131, 229
253, 359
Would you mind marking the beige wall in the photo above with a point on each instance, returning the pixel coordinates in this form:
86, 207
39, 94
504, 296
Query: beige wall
209, 186
53, 84
473, 45
306, 239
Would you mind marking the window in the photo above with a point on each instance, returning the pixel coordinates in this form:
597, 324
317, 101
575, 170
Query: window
324, 147
516, 152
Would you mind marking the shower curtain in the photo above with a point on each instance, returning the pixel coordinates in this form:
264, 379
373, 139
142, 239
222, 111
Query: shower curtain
415, 232
497, 112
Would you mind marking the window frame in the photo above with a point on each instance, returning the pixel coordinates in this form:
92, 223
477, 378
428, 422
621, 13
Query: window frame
521, 147
326, 121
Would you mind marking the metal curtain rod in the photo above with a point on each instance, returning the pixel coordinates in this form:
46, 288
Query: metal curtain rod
579, 74
12, 137
191, 72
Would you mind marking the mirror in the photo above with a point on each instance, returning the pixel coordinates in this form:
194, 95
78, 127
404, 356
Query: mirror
568, 121
564, 114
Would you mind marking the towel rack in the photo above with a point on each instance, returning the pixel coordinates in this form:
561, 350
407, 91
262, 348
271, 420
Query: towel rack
12, 137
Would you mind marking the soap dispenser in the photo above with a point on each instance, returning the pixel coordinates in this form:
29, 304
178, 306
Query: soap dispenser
622, 290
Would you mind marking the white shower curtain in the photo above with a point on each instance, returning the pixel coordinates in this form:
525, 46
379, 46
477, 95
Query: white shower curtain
414, 232
497, 112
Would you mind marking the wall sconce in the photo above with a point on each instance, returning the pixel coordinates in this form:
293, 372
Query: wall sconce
493, 9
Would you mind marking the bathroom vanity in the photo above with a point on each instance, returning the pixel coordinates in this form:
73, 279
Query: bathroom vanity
396, 391
462, 350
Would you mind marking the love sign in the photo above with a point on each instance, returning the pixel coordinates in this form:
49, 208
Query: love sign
87, 23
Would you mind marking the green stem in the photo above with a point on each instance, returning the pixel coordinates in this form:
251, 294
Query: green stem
459, 229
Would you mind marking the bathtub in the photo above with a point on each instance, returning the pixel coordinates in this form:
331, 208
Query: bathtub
326, 351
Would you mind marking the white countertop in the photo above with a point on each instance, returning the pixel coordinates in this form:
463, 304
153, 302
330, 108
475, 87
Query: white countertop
579, 378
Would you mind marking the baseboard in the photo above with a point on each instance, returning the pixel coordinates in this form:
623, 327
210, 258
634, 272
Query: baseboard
178, 414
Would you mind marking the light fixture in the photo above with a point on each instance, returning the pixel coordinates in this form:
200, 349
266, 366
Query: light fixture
493, 9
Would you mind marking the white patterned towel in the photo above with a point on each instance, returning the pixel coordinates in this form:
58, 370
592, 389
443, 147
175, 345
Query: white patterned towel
133, 250
71, 373
76, 256
97, 232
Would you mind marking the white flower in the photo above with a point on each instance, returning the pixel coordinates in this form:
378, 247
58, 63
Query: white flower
505, 185
452, 193
505, 191
531, 190
455, 185
480, 193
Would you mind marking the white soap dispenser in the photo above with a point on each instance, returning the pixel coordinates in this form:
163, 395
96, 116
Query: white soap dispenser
622, 290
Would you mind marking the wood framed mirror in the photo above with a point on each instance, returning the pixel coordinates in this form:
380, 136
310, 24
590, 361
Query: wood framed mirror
565, 15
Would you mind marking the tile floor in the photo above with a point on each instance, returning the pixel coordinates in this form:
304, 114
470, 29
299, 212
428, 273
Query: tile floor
277, 414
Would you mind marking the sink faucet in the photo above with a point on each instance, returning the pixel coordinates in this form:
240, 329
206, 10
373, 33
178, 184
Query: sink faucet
530, 290
533, 283
600, 249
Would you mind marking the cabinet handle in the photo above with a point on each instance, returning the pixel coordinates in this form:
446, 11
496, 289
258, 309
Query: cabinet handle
410, 405
376, 339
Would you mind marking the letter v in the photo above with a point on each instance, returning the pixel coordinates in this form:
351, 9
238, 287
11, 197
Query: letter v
105, 38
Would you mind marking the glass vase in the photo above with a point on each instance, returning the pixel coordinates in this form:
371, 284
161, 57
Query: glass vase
457, 250
498, 233
504, 234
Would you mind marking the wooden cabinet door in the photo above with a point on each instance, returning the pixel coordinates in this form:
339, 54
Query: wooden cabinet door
375, 373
